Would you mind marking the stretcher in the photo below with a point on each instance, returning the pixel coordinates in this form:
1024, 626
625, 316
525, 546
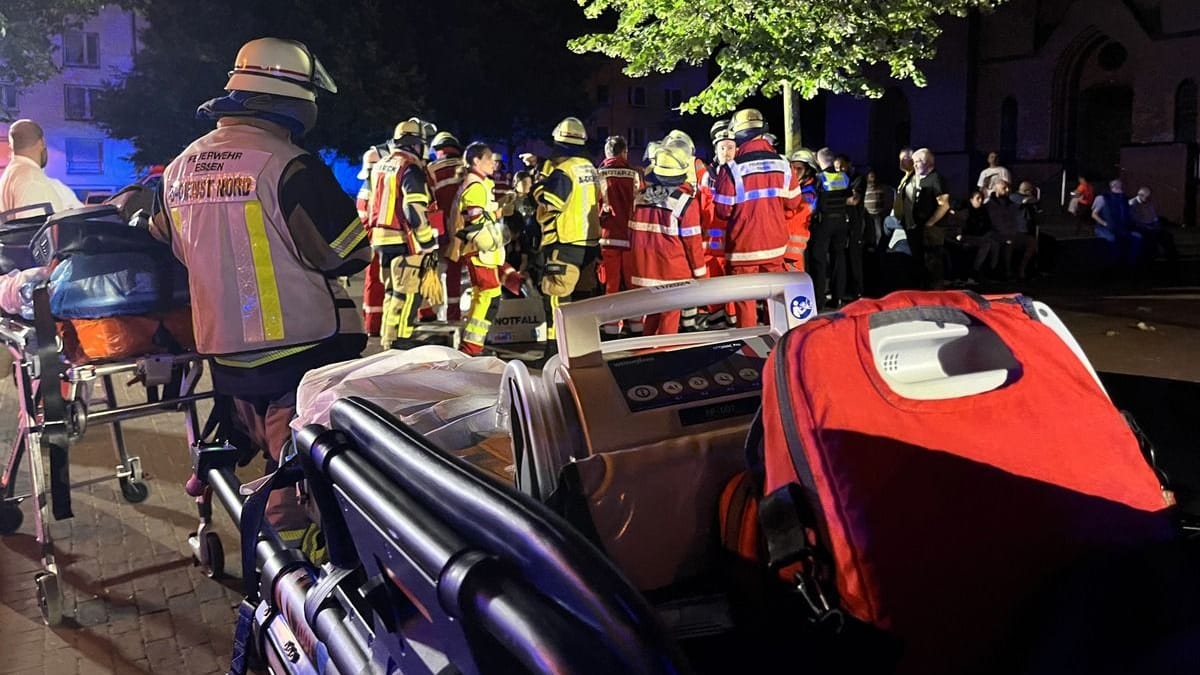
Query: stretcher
57, 404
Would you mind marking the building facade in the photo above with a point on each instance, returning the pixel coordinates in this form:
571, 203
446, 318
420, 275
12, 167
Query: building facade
643, 109
81, 155
1102, 88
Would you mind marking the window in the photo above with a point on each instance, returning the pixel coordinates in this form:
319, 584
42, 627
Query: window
81, 49
635, 137
79, 102
8, 98
1008, 129
1186, 112
672, 98
637, 97
85, 155
601, 134
602, 97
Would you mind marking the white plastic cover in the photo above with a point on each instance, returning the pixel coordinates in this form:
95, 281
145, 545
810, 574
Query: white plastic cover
428, 387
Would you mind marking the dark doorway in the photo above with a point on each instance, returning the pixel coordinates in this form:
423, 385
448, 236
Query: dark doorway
1103, 125
891, 130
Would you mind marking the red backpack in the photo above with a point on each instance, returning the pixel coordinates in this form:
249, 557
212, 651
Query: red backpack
939, 521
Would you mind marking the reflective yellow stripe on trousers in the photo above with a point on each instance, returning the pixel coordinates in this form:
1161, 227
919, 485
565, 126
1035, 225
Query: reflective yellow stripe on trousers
264, 273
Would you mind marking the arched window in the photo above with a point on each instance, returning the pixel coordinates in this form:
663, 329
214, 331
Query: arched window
1008, 129
1185, 112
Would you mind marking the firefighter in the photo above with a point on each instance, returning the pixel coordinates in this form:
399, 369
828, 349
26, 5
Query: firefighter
400, 231
622, 182
446, 175
373, 292
569, 213
477, 238
724, 148
804, 166
754, 193
830, 236
265, 231
665, 236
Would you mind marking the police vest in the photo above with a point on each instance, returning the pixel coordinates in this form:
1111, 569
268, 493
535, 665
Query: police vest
578, 223
835, 189
222, 198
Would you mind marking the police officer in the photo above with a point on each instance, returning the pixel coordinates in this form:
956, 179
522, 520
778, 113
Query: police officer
400, 231
265, 230
830, 235
569, 213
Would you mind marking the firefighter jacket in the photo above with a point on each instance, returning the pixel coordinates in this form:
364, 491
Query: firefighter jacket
665, 236
475, 222
800, 220
399, 182
445, 178
568, 203
714, 228
754, 192
621, 186
252, 289
835, 189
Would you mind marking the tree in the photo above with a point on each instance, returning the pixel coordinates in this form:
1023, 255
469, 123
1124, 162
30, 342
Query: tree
761, 45
26, 29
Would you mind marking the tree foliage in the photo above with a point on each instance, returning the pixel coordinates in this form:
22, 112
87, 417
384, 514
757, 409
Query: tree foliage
26, 29
467, 66
758, 45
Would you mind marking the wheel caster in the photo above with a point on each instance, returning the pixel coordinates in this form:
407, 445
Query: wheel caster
134, 492
213, 552
11, 517
50, 599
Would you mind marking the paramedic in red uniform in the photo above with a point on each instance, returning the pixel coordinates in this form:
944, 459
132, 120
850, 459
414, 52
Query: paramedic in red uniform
754, 193
445, 177
265, 231
622, 182
664, 233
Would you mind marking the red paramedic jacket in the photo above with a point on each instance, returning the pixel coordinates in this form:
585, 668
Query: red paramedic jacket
664, 235
444, 181
621, 185
754, 193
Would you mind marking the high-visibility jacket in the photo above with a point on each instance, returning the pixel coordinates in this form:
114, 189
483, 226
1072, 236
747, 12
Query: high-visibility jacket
475, 226
799, 221
665, 236
754, 191
621, 185
397, 181
222, 199
568, 203
445, 180
714, 227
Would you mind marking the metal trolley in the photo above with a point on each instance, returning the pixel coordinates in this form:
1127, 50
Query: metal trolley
55, 408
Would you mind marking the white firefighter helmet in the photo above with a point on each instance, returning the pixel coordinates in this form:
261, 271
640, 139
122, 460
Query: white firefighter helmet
570, 131
676, 136
280, 67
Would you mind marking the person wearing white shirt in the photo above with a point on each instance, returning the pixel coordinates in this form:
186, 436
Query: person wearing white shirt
993, 172
25, 183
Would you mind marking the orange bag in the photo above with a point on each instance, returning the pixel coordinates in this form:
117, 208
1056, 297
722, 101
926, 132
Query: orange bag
122, 337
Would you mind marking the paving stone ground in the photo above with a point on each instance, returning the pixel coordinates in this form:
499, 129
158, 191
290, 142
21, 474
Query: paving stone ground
133, 600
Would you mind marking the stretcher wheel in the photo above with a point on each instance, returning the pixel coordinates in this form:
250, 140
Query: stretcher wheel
50, 599
11, 517
134, 492
215, 553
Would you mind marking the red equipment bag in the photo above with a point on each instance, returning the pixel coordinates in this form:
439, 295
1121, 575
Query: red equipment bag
940, 520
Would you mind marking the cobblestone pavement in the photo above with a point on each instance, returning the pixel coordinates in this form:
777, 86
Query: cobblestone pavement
133, 601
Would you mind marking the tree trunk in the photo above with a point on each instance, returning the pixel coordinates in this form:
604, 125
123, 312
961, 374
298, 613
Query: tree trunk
791, 120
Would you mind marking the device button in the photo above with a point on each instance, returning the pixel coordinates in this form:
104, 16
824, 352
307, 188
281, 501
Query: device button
748, 374
672, 388
642, 393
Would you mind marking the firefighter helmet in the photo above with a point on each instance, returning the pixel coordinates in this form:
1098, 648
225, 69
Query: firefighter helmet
720, 131
671, 163
651, 148
279, 67
683, 139
679, 146
445, 139
409, 128
570, 131
748, 123
370, 157
429, 129
805, 156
